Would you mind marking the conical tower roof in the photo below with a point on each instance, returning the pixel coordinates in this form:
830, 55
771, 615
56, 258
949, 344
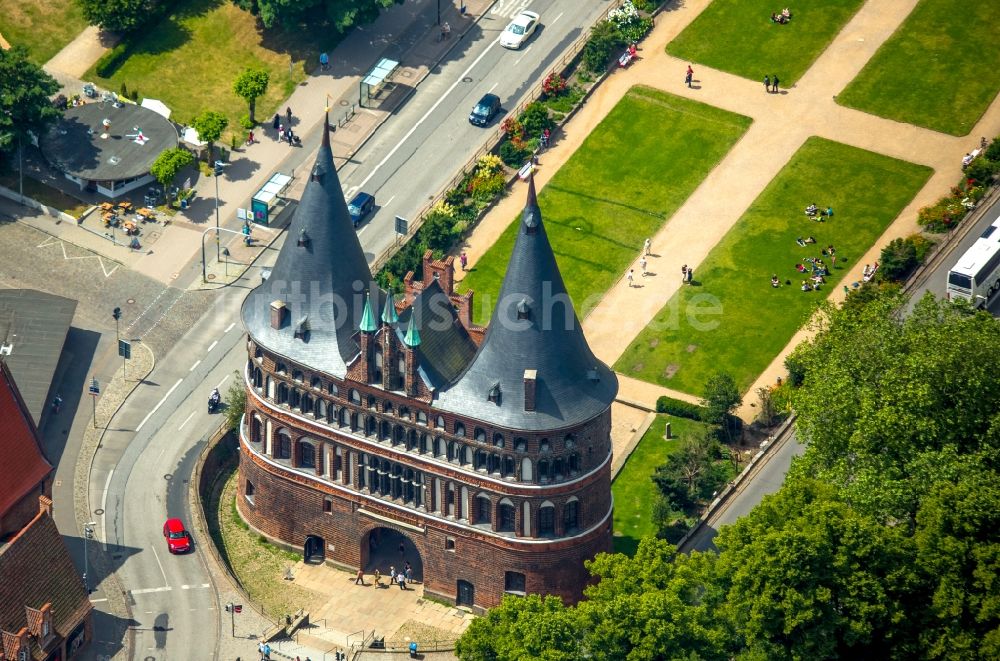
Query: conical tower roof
322, 277
534, 333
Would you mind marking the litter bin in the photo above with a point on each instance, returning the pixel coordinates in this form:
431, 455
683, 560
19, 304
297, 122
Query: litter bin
184, 204
413, 650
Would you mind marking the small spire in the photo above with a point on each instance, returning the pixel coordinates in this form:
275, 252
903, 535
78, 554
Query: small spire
412, 338
367, 318
389, 315
326, 128
532, 197
531, 216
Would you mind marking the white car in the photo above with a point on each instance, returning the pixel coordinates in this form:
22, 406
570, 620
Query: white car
519, 30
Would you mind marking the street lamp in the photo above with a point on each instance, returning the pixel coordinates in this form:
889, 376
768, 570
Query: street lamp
225, 253
219, 165
88, 533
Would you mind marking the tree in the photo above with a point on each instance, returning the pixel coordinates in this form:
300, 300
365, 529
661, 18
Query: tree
169, 163
722, 396
251, 85
898, 260
343, 14
689, 476
236, 403
765, 401
24, 99
520, 628
210, 125
118, 15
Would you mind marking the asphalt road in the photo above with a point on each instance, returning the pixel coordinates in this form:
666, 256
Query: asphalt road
769, 477
937, 277
417, 152
140, 476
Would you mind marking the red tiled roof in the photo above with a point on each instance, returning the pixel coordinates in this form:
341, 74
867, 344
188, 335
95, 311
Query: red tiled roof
35, 569
22, 466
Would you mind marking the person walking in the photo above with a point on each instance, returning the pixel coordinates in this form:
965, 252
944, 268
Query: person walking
409, 573
267, 652
392, 573
250, 139
767, 83
288, 115
774, 83
324, 61
647, 246
642, 266
630, 277
689, 76
684, 273
401, 579
277, 122
378, 578
360, 578
690, 274
463, 259
260, 648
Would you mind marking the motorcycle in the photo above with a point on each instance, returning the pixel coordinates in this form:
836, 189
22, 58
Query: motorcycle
214, 400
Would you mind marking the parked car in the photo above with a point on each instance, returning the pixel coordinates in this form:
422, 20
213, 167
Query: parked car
519, 30
362, 205
178, 539
484, 111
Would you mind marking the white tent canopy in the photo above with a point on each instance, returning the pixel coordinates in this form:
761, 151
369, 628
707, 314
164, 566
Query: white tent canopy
191, 137
157, 106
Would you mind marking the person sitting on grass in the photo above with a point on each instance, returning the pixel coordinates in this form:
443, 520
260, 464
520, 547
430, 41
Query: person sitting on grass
806, 286
812, 209
774, 281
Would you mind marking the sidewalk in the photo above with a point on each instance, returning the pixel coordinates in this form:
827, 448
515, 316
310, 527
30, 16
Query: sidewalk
781, 125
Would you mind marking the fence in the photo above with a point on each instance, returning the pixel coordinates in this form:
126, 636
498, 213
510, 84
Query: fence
494, 139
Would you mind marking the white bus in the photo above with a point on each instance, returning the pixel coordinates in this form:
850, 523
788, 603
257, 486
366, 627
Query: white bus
976, 275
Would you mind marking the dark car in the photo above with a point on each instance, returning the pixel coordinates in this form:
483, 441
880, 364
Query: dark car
485, 110
362, 205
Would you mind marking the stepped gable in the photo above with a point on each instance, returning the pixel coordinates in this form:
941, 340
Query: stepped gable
534, 370
23, 466
321, 277
441, 341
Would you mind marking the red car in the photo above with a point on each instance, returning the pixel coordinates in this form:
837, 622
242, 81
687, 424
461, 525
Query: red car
178, 539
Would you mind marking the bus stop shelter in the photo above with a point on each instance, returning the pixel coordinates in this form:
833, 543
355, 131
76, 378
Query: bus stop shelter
375, 80
265, 199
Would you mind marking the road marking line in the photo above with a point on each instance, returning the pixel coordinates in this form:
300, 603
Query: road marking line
230, 327
494, 86
211, 346
400, 143
205, 585
104, 508
160, 564
389, 201
352, 190
196, 363
186, 420
553, 21
524, 54
158, 405
165, 588
221, 382
185, 587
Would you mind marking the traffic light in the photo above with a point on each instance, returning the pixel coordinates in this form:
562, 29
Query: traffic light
238, 608
219, 165
116, 313
229, 607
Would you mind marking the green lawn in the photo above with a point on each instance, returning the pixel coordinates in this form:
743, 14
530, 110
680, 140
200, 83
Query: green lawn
737, 36
681, 349
634, 490
629, 176
190, 59
941, 69
42, 26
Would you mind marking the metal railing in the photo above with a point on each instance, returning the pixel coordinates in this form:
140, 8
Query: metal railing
494, 140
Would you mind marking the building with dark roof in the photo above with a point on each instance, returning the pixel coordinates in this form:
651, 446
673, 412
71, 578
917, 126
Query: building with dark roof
33, 328
396, 432
107, 147
24, 471
45, 613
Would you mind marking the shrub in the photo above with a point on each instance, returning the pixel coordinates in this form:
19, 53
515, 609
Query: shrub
108, 63
565, 101
535, 119
487, 186
993, 151
605, 39
513, 155
488, 164
943, 215
796, 370
245, 121
554, 84
629, 24
679, 408
898, 260
982, 170
512, 127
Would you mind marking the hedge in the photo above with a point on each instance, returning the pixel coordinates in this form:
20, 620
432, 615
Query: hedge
680, 408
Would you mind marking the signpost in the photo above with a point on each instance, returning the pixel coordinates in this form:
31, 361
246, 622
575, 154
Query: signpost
95, 390
401, 225
233, 609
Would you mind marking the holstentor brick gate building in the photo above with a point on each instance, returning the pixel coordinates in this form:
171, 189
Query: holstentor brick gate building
383, 430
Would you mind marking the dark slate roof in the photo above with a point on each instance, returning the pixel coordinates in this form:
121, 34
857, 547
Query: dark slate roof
573, 386
322, 282
445, 347
35, 569
34, 325
75, 145
23, 465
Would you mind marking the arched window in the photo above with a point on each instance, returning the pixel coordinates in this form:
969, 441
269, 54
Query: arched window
439, 448
546, 519
459, 429
268, 387
571, 514
484, 508
526, 474
319, 409
345, 417
307, 455
280, 368
297, 376
355, 397
526, 519
258, 352
332, 389
404, 412
284, 447
479, 461
569, 442
425, 443
557, 468
466, 455
411, 439
439, 422
421, 417
574, 463
249, 491
385, 431
255, 430
258, 378
520, 445
317, 383
372, 402
387, 407
371, 425
480, 435
543, 445
498, 440
453, 451
331, 413
282, 393
543, 470
377, 372
306, 403
508, 466
495, 463
398, 434
506, 514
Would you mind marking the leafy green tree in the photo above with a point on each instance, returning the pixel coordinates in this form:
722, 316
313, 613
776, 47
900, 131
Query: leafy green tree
898, 259
250, 85
24, 100
530, 627
118, 15
605, 39
688, 476
169, 163
210, 125
722, 396
342, 14
236, 404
